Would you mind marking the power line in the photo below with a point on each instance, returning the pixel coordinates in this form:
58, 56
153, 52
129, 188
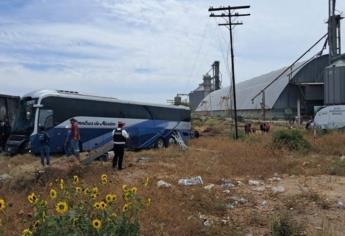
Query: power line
230, 13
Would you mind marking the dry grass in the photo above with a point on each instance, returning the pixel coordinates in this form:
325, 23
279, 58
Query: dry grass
329, 144
176, 211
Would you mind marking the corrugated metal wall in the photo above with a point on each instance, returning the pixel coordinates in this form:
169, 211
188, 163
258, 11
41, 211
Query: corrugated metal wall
334, 85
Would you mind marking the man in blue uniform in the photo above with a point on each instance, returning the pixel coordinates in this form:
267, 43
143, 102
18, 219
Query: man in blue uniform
120, 137
43, 139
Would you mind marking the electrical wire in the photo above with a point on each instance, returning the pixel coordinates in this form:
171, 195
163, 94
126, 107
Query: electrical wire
197, 55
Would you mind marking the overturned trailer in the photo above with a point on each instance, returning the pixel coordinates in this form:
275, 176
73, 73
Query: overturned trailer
8, 107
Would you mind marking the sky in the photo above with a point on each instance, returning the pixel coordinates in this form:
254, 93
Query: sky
147, 50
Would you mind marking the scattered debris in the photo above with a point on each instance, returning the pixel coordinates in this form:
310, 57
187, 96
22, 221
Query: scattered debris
264, 204
210, 220
226, 191
163, 184
237, 199
178, 138
5, 177
230, 206
226, 220
110, 155
227, 183
209, 187
306, 163
144, 159
274, 179
342, 158
340, 204
259, 188
191, 181
240, 183
278, 189
206, 220
254, 182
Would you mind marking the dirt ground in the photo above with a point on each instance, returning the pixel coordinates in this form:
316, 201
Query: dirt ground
246, 185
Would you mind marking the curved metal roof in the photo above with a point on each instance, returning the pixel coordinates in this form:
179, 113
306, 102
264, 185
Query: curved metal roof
246, 90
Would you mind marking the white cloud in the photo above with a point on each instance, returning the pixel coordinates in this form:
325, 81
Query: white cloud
153, 49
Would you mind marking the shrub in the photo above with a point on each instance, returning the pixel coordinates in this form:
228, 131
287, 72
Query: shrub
290, 139
211, 122
283, 225
337, 167
74, 208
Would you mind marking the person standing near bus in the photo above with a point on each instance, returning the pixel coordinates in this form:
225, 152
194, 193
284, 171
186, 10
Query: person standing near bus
5, 130
2, 136
120, 137
44, 139
75, 137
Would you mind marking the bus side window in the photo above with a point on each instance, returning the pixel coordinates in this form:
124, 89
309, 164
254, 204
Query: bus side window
46, 119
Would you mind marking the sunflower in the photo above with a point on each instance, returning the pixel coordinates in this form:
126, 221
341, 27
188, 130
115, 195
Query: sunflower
95, 190
103, 205
104, 176
125, 188
134, 190
75, 179
2, 204
78, 189
97, 224
114, 197
113, 215
97, 205
109, 198
125, 207
36, 224
26, 232
87, 191
104, 181
94, 196
61, 207
52, 193
32, 198
127, 196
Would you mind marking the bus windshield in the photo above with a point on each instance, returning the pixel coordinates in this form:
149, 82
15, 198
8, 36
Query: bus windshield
24, 120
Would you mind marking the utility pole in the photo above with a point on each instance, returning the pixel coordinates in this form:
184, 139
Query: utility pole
229, 23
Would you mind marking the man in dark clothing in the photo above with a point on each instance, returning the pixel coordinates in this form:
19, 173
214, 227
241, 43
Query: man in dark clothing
43, 139
5, 130
2, 136
120, 137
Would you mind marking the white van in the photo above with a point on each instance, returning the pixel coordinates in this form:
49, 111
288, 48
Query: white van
330, 117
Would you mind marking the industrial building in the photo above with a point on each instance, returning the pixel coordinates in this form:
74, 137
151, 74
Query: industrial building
209, 84
301, 85
294, 91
